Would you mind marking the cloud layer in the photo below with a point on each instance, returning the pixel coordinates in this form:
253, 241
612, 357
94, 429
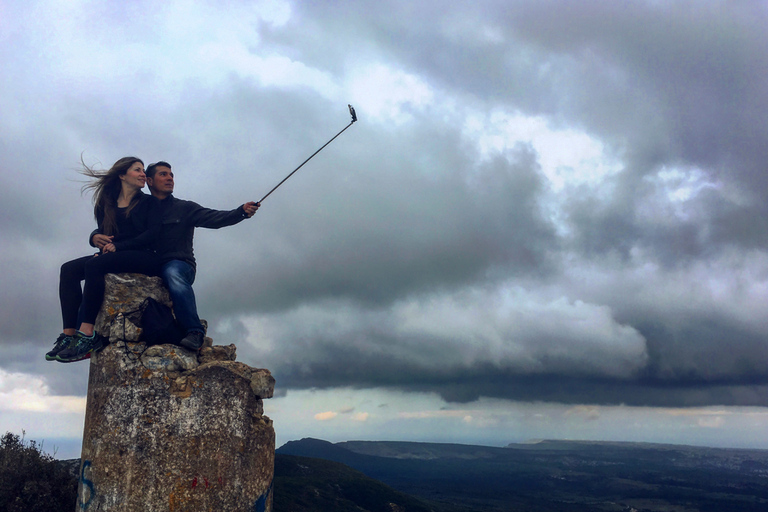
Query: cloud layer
542, 200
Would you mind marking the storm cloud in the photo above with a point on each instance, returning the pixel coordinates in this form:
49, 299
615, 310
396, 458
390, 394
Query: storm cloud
542, 200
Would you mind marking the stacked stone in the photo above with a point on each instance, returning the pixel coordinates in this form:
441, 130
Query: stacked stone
167, 429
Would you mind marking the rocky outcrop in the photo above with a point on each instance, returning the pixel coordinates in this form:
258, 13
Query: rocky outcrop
167, 429
119, 316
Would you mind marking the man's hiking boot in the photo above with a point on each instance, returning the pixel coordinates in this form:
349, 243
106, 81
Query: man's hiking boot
81, 348
193, 341
61, 343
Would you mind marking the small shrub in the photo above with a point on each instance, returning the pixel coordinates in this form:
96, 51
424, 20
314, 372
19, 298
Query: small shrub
32, 481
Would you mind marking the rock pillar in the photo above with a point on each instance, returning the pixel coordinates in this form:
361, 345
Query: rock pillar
173, 431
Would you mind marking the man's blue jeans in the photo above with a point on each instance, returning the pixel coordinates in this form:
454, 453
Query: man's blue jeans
179, 276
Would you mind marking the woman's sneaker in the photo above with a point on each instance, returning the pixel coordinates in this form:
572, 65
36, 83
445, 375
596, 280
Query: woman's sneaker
60, 344
81, 348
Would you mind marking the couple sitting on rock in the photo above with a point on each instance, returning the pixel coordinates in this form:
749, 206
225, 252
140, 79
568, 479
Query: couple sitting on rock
140, 233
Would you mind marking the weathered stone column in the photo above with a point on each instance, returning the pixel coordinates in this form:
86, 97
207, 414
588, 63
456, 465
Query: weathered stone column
173, 431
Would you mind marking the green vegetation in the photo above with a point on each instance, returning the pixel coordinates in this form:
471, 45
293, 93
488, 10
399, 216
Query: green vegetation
32, 481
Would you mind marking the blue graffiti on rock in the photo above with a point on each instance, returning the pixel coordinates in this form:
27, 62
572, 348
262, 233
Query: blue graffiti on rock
261, 503
85, 483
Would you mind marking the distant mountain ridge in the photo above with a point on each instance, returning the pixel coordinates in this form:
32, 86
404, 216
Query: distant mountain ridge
430, 451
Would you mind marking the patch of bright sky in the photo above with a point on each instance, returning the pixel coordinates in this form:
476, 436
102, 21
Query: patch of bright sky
387, 95
675, 188
210, 44
23, 392
185, 42
272, 70
173, 43
682, 184
28, 404
345, 414
567, 157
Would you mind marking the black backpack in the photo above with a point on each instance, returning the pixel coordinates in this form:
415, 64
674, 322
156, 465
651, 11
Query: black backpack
158, 325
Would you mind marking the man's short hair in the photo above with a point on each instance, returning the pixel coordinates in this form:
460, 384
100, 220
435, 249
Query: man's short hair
152, 168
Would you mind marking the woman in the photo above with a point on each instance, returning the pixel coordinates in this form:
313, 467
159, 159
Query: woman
128, 224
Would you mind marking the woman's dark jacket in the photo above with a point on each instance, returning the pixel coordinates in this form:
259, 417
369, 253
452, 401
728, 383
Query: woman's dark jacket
141, 228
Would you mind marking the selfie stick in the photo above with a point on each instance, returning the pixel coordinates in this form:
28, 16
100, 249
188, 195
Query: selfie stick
354, 118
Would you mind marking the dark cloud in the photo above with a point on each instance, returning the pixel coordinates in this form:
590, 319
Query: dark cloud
666, 90
375, 230
470, 347
488, 380
406, 254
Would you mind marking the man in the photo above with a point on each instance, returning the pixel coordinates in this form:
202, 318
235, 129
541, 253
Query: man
174, 246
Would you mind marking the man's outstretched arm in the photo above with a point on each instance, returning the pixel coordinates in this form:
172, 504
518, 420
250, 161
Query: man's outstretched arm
214, 219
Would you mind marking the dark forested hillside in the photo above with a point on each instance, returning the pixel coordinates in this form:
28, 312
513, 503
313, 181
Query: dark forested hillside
560, 475
317, 485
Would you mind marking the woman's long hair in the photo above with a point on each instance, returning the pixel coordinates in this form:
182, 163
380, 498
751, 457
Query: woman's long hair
106, 186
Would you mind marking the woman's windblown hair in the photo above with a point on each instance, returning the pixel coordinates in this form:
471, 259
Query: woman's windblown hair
106, 186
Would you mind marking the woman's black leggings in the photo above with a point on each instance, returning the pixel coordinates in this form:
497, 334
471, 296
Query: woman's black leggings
82, 306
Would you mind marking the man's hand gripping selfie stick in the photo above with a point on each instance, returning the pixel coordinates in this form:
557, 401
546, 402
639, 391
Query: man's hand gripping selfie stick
354, 118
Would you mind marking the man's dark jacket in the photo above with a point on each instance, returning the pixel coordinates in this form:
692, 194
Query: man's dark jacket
143, 221
180, 218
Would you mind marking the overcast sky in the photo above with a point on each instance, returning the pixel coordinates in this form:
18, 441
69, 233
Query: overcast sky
550, 220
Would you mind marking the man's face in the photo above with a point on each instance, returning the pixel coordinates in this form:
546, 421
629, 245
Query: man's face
162, 181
